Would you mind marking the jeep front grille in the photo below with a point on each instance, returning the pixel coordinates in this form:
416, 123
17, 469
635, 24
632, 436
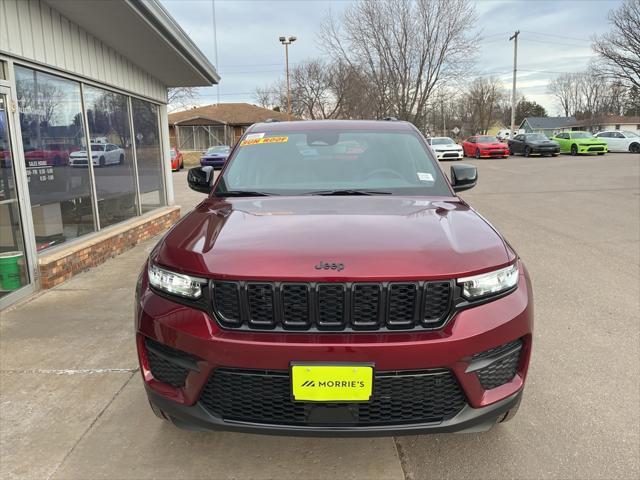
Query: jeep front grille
332, 306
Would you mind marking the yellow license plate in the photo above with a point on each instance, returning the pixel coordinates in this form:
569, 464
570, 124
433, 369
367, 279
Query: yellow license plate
332, 383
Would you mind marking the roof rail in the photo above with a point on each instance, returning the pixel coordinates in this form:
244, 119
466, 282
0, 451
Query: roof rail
390, 119
271, 120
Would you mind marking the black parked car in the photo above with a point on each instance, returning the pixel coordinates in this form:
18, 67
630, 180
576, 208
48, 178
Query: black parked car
530, 143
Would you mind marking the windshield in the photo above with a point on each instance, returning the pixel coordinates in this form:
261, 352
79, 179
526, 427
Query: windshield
630, 134
219, 149
581, 135
324, 161
537, 137
173, 153
97, 147
487, 139
442, 141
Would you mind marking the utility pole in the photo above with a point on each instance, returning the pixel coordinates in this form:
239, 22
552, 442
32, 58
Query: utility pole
514, 37
215, 44
286, 41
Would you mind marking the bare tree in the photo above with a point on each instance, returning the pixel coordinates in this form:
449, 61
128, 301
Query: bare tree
620, 48
405, 48
592, 88
180, 98
566, 89
270, 96
483, 102
313, 90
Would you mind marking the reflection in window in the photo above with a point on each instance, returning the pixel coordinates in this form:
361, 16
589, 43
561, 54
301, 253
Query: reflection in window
52, 132
112, 154
148, 154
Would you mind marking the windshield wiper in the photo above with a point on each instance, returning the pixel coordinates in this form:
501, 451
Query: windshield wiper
346, 192
242, 193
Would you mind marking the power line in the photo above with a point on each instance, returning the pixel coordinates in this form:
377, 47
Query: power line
558, 36
558, 43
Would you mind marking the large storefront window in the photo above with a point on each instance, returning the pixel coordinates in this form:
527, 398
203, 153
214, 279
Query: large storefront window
52, 134
148, 154
60, 156
112, 152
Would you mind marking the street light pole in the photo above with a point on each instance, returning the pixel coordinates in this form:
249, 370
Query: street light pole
513, 91
286, 41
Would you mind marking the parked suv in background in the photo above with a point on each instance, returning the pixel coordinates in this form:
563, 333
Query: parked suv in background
333, 283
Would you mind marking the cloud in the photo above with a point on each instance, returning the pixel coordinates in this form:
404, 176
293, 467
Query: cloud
555, 37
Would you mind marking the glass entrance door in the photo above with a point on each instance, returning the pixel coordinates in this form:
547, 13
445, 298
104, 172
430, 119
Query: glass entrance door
14, 265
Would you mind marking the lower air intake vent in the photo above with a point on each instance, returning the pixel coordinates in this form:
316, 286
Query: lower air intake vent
167, 364
503, 368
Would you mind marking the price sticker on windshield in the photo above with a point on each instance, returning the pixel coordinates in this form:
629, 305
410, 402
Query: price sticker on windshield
425, 177
258, 141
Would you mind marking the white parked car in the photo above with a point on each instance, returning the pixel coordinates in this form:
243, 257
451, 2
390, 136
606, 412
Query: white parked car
445, 148
102, 154
620, 140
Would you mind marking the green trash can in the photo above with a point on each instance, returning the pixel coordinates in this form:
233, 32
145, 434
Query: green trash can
10, 270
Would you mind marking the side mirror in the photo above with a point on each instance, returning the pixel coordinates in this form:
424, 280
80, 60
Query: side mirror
463, 177
199, 179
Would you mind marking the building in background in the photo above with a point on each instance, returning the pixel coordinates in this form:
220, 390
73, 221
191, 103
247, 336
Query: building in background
84, 145
222, 124
547, 125
606, 122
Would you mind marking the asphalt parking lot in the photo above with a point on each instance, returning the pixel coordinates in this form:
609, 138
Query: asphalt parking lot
72, 404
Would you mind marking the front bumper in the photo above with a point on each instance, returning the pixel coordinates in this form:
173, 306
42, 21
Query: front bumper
215, 163
592, 149
469, 420
449, 154
494, 153
470, 332
545, 150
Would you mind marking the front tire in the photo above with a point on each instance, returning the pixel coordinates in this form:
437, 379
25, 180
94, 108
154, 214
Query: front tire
477, 153
102, 162
634, 148
574, 150
121, 160
527, 151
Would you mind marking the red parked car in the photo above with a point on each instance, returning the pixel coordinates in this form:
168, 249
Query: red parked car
177, 162
484, 146
313, 292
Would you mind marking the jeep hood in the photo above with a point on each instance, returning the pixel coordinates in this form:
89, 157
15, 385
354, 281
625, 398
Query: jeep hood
375, 237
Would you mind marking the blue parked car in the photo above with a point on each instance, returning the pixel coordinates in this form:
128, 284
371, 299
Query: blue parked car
215, 156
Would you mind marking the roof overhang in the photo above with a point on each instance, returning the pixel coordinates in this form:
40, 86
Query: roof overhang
145, 33
193, 119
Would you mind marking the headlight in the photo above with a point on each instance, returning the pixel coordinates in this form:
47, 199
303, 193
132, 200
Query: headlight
175, 283
489, 283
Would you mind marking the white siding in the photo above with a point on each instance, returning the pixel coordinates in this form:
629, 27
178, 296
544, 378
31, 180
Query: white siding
32, 30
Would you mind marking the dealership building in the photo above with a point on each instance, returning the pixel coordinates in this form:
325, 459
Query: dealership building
84, 141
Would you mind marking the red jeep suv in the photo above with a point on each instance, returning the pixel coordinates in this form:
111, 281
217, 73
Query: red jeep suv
333, 283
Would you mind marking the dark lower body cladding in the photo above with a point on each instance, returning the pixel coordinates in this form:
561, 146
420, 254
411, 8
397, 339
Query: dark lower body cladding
334, 419
403, 402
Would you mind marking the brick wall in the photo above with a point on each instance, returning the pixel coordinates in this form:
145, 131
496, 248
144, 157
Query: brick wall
61, 265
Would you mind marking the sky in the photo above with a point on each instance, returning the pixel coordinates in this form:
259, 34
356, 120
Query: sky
555, 38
